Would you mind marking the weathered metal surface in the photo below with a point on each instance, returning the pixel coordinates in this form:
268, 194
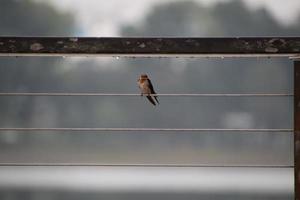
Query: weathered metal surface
207, 47
297, 127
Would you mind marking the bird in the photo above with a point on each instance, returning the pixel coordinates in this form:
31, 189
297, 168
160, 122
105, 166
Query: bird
146, 88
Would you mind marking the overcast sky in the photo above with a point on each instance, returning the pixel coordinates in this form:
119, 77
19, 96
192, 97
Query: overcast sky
102, 17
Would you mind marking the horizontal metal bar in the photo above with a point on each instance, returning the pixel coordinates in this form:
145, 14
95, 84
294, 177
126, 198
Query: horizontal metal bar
151, 47
169, 95
148, 129
137, 165
290, 56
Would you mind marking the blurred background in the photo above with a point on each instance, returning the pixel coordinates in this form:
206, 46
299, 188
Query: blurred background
198, 18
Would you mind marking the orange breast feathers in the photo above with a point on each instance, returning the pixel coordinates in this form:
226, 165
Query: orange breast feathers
142, 80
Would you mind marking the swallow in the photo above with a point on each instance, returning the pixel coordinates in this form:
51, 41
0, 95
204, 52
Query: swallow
146, 88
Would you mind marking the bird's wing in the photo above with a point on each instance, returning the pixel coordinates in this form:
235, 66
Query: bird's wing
151, 87
152, 90
151, 100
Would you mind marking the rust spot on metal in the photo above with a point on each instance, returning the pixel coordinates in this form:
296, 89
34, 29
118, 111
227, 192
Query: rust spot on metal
277, 42
142, 45
36, 47
73, 39
189, 40
271, 50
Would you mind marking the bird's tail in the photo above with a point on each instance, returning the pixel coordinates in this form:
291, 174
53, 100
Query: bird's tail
151, 100
155, 96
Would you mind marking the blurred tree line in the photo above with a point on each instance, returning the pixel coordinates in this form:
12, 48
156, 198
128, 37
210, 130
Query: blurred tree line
178, 75
26, 18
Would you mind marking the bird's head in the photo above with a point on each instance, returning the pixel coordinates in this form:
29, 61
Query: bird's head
144, 76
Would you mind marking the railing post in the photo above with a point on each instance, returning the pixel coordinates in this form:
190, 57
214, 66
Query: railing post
297, 127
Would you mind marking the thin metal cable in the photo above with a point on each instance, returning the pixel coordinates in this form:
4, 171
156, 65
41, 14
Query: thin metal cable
137, 165
148, 129
129, 94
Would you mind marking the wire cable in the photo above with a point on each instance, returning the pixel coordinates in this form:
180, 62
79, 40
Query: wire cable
138, 165
130, 94
147, 129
